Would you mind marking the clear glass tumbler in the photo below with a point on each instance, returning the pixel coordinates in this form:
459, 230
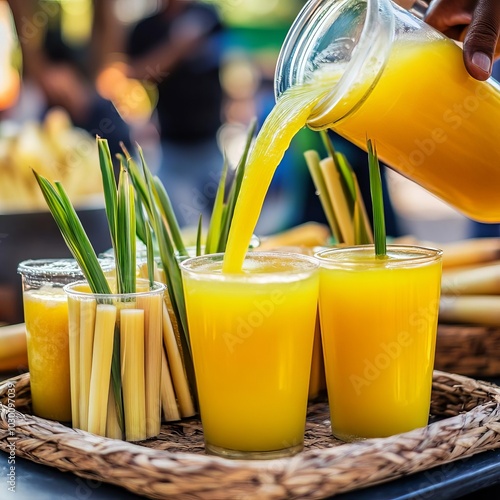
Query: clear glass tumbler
116, 354
378, 324
46, 317
252, 338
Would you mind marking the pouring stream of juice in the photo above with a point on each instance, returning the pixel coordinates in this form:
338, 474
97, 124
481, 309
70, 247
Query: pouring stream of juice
284, 121
447, 140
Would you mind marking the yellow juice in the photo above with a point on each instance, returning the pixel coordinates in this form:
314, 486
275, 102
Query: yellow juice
378, 323
46, 317
428, 118
283, 123
435, 124
252, 338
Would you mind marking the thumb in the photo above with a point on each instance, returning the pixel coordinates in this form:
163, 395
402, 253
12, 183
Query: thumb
481, 39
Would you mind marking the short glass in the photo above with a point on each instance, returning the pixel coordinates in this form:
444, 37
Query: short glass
123, 330
46, 318
252, 337
378, 324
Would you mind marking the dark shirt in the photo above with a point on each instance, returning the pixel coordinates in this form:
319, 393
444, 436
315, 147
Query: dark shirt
190, 97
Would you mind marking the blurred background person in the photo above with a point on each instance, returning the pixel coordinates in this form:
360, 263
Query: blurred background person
179, 50
61, 69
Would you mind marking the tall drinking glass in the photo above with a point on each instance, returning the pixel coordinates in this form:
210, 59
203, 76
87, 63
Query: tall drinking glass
378, 323
252, 337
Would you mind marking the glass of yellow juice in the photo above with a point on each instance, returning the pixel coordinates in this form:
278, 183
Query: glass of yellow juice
251, 336
46, 317
378, 323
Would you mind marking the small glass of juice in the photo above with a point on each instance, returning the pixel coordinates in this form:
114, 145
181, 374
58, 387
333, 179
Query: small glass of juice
46, 317
378, 323
252, 338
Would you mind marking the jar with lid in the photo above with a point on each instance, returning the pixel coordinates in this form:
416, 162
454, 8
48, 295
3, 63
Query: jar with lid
402, 84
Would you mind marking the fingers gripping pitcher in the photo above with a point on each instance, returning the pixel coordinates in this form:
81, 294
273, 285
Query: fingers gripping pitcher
394, 79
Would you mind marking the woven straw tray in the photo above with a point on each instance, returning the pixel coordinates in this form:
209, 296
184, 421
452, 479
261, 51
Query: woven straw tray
470, 350
465, 416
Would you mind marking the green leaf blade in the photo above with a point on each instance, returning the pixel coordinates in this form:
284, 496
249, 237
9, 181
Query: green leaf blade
377, 201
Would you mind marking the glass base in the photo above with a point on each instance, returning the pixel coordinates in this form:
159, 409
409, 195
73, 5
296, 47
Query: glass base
347, 438
212, 449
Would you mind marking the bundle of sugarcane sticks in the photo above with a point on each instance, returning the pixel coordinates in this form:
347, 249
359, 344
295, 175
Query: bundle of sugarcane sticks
470, 289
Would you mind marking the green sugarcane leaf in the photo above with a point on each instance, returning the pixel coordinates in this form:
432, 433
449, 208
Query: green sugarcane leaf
199, 235
116, 378
167, 256
341, 164
139, 183
377, 201
214, 228
78, 243
140, 227
126, 234
150, 254
169, 214
235, 188
109, 186
348, 180
73, 233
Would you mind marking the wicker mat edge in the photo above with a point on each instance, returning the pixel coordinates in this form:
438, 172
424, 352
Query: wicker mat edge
472, 426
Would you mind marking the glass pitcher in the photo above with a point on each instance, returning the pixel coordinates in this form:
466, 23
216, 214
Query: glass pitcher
402, 84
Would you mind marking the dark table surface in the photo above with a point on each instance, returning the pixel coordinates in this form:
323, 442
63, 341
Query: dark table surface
471, 478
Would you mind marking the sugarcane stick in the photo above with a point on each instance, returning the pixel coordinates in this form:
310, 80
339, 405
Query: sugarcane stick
100, 377
13, 348
470, 309
168, 399
471, 251
74, 359
87, 324
338, 199
178, 372
132, 372
313, 164
479, 280
309, 234
152, 306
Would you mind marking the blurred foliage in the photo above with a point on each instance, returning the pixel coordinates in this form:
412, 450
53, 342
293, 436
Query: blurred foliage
258, 13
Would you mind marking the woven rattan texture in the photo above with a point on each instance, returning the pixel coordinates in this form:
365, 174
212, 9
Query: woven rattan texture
465, 421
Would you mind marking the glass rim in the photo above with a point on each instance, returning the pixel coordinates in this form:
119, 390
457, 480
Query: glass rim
49, 266
417, 255
297, 272
159, 287
297, 48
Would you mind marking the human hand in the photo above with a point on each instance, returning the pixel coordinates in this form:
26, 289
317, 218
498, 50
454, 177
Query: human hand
479, 20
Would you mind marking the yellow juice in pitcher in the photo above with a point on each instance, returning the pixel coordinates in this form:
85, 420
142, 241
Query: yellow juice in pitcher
46, 317
379, 322
447, 139
252, 338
